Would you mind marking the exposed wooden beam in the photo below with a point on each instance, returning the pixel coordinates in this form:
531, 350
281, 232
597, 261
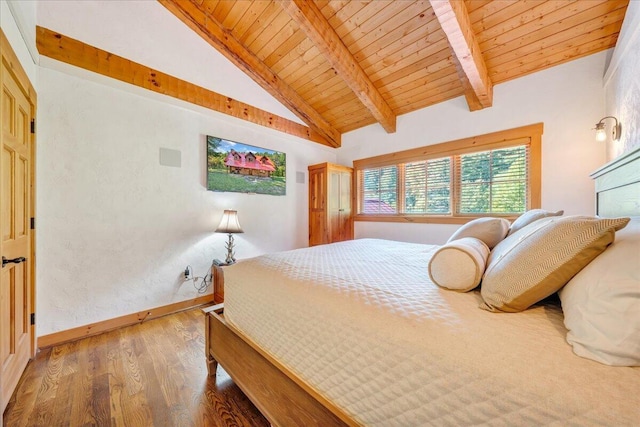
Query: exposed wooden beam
454, 20
224, 41
313, 23
65, 49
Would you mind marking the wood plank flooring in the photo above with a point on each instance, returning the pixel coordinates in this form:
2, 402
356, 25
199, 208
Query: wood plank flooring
150, 374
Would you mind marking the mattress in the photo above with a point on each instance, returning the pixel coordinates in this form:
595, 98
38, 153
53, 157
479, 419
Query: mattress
362, 324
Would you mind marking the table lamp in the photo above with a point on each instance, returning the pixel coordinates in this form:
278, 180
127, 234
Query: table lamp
229, 224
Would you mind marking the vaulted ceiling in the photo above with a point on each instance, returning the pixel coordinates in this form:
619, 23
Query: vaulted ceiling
340, 65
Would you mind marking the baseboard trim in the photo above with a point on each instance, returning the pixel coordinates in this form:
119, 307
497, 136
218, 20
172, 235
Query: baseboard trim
119, 322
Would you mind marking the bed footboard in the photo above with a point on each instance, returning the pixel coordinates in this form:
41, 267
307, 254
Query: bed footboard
280, 399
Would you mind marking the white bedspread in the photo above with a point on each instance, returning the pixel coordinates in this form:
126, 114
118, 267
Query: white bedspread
362, 324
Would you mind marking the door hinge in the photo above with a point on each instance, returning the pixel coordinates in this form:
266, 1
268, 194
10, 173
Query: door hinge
33, 125
33, 318
33, 223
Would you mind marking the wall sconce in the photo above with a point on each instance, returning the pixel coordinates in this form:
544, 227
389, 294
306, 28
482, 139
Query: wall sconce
229, 224
616, 132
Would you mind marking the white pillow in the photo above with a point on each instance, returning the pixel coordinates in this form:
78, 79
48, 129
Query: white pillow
459, 265
488, 229
601, 304
530, 216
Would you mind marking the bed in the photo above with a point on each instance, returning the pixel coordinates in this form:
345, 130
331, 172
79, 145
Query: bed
356, 333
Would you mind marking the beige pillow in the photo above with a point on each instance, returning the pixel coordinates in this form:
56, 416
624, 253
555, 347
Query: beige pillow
531, 216
539, 259
490, 230
459, 265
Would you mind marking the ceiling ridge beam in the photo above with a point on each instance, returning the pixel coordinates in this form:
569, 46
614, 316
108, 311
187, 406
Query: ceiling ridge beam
313, 23
472, 70
236, 52
79, 54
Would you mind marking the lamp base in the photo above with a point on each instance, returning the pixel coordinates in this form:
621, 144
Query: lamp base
230, 255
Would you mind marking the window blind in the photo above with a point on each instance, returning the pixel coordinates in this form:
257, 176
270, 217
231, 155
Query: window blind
493, 181
427, 186
378, 190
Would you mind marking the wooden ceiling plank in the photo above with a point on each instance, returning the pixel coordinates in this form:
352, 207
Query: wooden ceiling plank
337, 105
236, 13
555, 22
295, 55
238, 54
383, 64
420, 44
507, 14
540, 15
286, 49
415, 28
325, 87
416, 91
426, 102
353, 125
591, 30
420, 77
541, 60
322, 34
310, 63
263, 21
444, 85
454, 21
222, 10
289, 31
435, 55
74, 52
375, 23
250, 18
475, 5
439, 95
209, 6
354, 15
279, 29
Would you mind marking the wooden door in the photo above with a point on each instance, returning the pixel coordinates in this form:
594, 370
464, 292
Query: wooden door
318, 231
334, 210
346, 222
16, 333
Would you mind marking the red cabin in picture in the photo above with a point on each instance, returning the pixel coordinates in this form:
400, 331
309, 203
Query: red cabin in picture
249, 164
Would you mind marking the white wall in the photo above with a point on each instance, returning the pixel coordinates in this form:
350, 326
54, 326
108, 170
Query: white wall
115, 228
146, 32
622, 85
17, 20
568, 99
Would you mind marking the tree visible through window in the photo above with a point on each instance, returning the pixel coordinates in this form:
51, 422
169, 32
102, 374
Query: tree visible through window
493, 182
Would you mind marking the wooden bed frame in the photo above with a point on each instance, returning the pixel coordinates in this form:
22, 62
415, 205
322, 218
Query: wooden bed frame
285, 400
281, 396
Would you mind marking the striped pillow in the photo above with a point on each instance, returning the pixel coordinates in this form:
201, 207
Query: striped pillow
539, 259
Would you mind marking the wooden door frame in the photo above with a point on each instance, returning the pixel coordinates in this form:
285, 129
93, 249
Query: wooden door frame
13, 64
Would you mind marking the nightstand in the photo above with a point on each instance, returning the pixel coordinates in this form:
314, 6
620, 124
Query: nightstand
217, 276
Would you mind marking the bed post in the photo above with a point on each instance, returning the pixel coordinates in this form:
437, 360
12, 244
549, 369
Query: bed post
212, 363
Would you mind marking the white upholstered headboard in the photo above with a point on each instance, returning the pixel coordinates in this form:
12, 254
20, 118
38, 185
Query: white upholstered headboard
618, 186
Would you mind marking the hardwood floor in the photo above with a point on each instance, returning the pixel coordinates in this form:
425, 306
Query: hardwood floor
150, 374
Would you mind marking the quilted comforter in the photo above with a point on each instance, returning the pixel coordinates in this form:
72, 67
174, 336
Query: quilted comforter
362, 324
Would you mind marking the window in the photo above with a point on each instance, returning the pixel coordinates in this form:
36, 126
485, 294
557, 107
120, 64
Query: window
489, 175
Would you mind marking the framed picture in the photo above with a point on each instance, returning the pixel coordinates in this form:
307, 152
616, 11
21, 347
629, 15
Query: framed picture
241, 168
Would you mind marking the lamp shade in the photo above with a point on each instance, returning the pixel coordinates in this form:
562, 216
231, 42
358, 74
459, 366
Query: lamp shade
229, 223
